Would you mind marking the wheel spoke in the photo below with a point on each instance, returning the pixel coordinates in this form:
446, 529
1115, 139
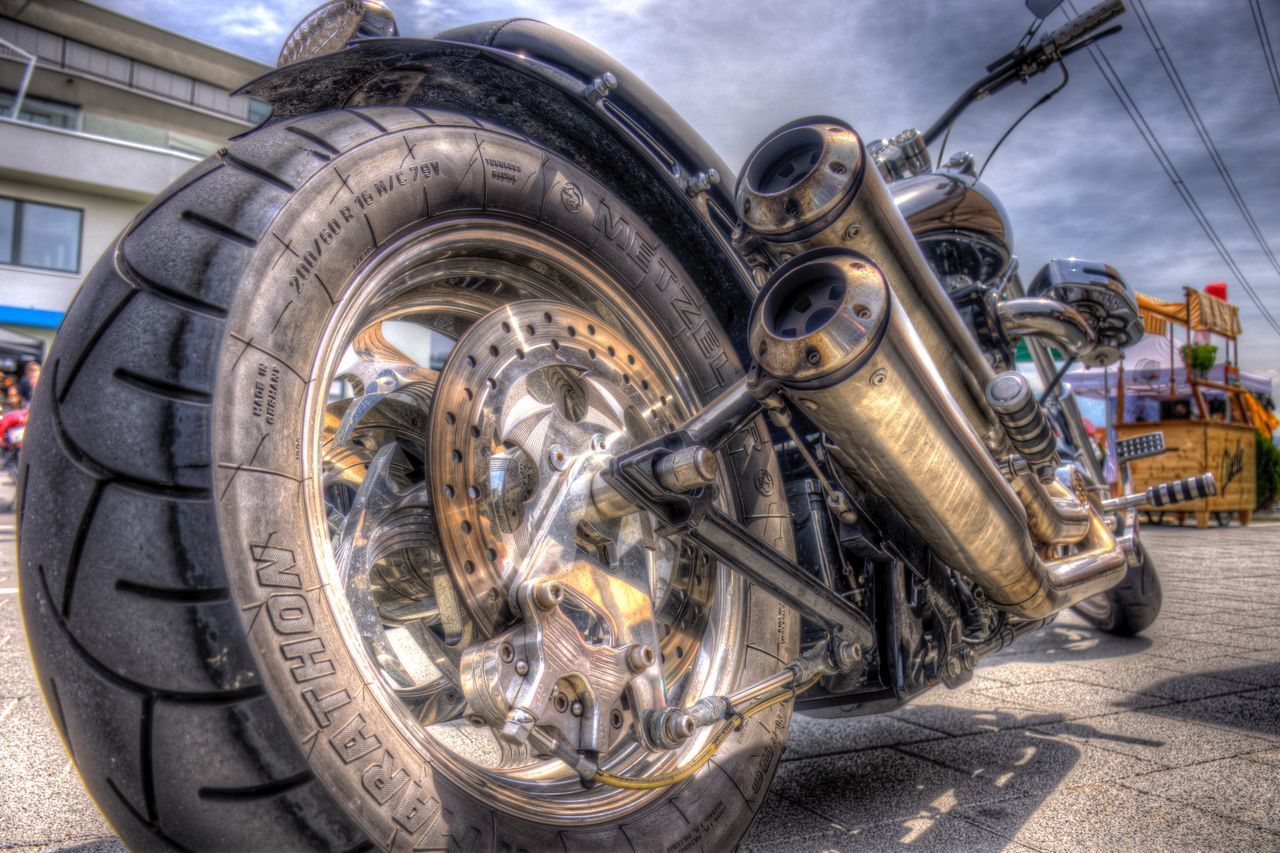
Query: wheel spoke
379, 381
387, 536
450, 500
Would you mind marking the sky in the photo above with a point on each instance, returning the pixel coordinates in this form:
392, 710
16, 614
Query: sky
1076, 178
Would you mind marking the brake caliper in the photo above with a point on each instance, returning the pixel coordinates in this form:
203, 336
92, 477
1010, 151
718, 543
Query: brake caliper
534, 402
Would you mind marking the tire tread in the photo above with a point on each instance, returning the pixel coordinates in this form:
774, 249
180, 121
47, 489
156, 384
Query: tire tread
178, 753
236, 179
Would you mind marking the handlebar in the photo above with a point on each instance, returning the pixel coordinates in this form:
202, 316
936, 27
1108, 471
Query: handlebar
1022, 64
1083, 25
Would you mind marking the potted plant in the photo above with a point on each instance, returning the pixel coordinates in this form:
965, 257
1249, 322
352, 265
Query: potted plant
1199, 358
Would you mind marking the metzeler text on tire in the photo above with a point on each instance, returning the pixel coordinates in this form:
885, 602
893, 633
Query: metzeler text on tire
178, 576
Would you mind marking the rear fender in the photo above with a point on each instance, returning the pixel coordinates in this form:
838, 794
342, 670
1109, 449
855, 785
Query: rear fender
536, 80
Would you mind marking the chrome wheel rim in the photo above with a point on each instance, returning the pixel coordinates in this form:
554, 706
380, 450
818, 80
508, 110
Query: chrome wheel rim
1096, 607
409, 597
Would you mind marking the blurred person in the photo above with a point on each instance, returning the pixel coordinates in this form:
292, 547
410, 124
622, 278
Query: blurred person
30, 379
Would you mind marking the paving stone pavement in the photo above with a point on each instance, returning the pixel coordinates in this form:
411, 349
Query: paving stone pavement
1072, 739
1069, 740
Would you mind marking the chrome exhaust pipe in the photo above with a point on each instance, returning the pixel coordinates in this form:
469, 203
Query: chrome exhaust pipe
838, 340
811, 184
1048, 318
1056, 515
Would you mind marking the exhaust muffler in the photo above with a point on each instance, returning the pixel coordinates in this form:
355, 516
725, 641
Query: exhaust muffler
838, 340
811, 184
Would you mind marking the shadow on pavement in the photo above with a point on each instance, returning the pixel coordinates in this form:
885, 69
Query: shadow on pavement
1067, 643
1251, 709
965, 778
934, 793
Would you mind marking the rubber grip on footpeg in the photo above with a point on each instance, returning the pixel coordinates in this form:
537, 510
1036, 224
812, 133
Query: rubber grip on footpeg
1190, 489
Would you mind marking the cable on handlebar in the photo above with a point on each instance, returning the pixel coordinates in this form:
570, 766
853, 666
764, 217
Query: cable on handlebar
1042, 100
1021, 64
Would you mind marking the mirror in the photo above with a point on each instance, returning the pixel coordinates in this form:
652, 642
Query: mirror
1043, 8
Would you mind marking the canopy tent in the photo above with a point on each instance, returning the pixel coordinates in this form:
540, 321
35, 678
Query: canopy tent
1147, 367
1200, 312
20, 347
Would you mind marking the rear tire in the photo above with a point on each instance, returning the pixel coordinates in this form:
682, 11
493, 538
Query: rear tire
171, 599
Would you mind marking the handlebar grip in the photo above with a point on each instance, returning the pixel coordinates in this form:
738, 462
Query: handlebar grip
1073, 29
1190, 489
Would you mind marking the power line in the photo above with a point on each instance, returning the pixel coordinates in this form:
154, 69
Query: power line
1149, 137
1268, 52
1171, 71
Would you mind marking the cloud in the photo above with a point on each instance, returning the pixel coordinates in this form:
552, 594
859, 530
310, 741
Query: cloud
1075, 177
254, 22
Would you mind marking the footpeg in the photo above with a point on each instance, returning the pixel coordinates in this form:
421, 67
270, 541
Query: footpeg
1190, 489
1140, 447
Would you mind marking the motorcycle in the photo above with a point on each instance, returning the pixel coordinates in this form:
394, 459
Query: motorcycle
491, 475
13, 425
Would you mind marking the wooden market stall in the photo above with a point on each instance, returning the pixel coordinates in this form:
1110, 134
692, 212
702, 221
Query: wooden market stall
1220, 441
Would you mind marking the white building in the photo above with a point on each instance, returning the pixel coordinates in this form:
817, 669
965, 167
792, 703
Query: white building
113, 111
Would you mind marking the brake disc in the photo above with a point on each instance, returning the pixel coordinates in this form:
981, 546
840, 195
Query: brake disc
535, 400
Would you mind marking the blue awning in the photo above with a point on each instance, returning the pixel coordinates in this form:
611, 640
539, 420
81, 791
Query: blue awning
37, 317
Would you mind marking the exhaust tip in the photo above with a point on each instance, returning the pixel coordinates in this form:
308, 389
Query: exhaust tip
801, 175
819, 316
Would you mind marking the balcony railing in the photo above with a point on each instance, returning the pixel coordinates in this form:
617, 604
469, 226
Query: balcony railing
52, 50
144, 134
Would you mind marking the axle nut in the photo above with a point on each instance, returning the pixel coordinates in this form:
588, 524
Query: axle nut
679, 726
846, 654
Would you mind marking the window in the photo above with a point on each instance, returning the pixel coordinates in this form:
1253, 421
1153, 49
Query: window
45, 236
41, 111
8, 214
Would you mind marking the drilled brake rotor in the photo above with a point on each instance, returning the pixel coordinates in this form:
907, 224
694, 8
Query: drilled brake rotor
535, 400
528, 391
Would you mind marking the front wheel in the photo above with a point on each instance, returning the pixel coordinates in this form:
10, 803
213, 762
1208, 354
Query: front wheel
1129, 608
310, 551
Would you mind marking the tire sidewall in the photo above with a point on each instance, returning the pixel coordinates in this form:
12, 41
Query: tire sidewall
299, 275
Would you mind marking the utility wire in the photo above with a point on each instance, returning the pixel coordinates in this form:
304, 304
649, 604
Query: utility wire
1171, 71
1040, 101
1149, 137
1268, 52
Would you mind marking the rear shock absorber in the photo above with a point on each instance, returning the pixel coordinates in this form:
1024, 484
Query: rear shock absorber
1018, 411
